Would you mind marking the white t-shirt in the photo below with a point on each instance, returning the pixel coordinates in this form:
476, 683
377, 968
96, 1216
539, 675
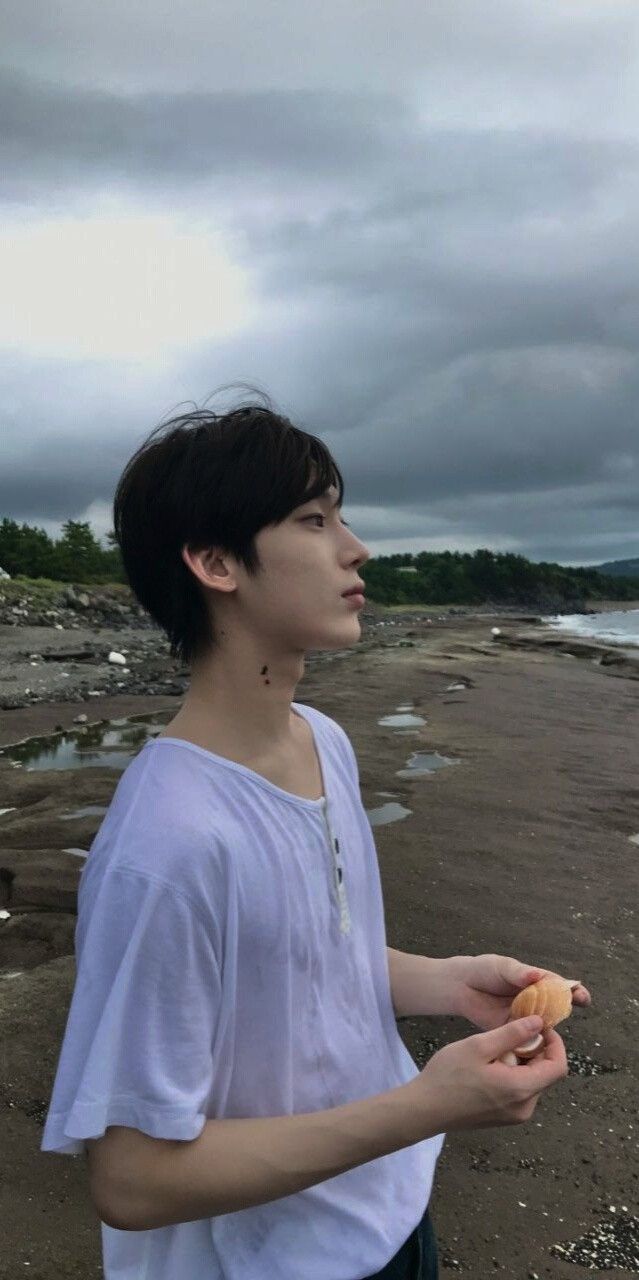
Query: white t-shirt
231, 962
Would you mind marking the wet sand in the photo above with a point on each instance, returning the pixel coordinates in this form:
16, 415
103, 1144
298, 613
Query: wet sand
523, 848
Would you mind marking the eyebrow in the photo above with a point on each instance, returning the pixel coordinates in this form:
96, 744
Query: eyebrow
336, 503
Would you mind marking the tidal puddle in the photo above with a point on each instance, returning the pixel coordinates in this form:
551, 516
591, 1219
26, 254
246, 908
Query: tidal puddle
425, 762
88, 811
391, 812
397, 721
109, 744
112, 744
405, 722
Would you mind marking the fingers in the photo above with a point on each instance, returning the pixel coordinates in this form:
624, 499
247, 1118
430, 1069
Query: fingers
508, 1036
580, 994
548, 1066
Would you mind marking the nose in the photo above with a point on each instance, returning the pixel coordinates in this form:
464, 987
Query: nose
363, 554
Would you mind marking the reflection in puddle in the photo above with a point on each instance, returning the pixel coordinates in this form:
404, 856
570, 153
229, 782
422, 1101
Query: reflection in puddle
420, 761
425, 762
108, 744
397, 721
88, 811
387, 813
113, 743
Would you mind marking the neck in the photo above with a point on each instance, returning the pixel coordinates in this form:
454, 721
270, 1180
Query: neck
240, 697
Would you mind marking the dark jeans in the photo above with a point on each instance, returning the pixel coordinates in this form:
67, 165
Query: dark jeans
417, 1258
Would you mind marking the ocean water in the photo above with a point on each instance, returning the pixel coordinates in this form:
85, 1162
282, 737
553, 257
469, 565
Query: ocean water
618, 627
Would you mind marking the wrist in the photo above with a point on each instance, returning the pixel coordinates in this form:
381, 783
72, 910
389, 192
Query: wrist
457, 972
425, 1114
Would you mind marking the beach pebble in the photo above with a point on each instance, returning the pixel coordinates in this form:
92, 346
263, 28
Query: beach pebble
610, 1244
117, 657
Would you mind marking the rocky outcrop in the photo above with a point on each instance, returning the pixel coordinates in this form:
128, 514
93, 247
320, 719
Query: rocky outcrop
69, 607
618, 660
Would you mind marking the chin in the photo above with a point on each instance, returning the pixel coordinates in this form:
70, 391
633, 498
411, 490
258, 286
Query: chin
349, 634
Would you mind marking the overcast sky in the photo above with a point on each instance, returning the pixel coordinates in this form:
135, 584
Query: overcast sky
414, 225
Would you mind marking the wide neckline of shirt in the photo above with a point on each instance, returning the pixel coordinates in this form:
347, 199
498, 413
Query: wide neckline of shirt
315, 805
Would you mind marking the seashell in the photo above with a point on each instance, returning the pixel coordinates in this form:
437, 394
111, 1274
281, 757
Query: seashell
551, 999
510, 1059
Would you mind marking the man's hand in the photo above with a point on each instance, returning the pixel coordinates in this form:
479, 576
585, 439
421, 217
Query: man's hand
485, 987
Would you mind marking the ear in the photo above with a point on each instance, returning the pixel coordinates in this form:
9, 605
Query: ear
210, 566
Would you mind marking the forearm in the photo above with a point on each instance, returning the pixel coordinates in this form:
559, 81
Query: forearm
423, 984
235, 1164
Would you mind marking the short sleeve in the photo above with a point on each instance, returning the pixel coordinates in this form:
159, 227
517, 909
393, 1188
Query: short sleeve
351, 758
139, 1040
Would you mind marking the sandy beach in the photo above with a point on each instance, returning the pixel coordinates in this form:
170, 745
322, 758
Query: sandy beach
523, 847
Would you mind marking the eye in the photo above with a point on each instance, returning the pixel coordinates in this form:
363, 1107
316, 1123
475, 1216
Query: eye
318, 515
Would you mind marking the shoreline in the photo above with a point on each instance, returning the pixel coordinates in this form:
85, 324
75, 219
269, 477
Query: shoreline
41, 667
617, 640
523, 849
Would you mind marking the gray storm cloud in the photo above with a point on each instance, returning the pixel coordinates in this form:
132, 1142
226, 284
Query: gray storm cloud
455, 295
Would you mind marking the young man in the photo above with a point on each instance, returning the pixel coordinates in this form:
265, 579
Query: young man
231, 1063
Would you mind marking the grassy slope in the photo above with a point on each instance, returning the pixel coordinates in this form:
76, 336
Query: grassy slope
45, 593
45, 590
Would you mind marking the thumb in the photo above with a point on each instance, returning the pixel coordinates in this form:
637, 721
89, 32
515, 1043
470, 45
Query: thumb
511, 1035
525, 977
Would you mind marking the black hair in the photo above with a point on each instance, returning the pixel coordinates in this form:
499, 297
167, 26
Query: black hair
205, 479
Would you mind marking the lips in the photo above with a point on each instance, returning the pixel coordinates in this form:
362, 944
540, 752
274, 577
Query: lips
358, 590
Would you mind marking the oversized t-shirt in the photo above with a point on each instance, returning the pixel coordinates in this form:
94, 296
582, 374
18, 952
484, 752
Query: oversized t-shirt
231, 962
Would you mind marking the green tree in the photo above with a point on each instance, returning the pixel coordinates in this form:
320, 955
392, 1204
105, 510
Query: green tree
78, 553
